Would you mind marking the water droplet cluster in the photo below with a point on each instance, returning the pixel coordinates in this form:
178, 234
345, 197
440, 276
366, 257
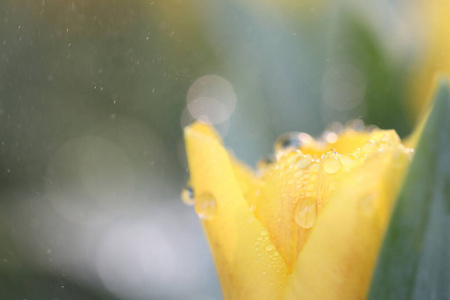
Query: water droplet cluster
302, 173
205, 206
308, 170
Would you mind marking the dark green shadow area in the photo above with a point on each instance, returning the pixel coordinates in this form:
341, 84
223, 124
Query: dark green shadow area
414, 262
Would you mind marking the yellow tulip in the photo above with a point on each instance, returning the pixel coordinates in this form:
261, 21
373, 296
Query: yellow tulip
308, 225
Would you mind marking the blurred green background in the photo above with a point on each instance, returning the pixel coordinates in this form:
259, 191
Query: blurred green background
93, 99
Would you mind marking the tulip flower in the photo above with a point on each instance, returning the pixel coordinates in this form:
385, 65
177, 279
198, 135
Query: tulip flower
307, 224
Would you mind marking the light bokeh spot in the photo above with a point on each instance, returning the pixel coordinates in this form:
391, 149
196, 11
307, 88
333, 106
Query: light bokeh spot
211, 99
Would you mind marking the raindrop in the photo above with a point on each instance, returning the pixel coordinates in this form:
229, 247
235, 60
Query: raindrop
331, 165
369, 147
205, 206
410, 152
305, 212
302, 162
187, 195
291, 140
314, 167
269, 248
265, 162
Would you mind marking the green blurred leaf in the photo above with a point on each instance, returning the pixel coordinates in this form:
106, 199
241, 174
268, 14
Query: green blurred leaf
415, 258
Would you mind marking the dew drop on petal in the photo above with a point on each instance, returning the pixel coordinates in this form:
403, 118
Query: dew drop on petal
331, 165
205, 206
314, 167
298, 174
291, 140
305, 212
265, 162
187, 195
302, 162
410, 153
269, 248
369, 147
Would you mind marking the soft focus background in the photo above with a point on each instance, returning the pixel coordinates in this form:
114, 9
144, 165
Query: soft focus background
93, 98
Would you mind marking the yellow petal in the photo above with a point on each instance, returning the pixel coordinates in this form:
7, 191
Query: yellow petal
248, 264
296, 188
339, 257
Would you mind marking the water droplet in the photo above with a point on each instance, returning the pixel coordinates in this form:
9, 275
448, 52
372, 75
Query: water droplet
369, 147
293, 140
205, 206
349, 161
298, 174
410, 152
331, 165
305, 212
264, 163
302, 162
187, 195
264, 232
314, 167
269, 248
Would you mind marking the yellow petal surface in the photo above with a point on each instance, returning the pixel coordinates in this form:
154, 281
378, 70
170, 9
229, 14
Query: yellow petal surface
339, 257
305, 226
294, 190
248, 264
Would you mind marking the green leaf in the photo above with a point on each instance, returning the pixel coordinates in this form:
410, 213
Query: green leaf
414, 262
